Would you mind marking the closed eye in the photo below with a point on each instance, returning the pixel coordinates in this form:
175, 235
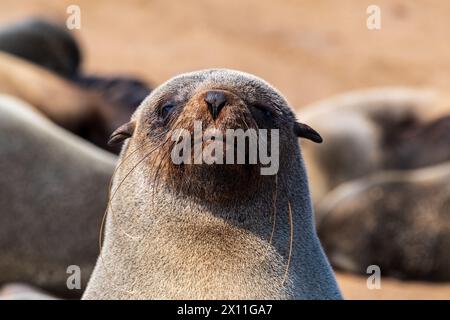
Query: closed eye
167, 109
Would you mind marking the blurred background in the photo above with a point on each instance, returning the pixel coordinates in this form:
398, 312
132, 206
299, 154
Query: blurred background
309, 50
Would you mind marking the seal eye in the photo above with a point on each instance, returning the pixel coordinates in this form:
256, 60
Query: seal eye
264, 110
167, 109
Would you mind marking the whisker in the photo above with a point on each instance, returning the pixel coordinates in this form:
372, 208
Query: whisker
126, 176
109, 192
164, 157
129, 172
161, 158
245, 122
290, 243
109, 207
274, 217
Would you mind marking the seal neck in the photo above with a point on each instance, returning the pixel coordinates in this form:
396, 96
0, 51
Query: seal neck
153, 224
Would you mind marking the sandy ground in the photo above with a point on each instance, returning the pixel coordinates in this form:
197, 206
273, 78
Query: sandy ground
355, 287
308, 49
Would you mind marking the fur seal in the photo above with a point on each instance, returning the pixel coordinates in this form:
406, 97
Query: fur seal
52, 47
398, 220
53, 194
371, 130
44, 43
215, 231
124, 92
79, 110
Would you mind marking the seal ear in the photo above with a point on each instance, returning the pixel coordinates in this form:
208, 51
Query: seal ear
123, 132
304, 131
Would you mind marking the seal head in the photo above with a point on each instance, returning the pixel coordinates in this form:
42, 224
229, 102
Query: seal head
217, 100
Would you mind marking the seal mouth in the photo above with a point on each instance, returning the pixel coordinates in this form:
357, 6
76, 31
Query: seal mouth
225, 142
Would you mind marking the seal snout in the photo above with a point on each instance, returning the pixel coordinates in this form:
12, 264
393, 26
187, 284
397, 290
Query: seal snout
216, 100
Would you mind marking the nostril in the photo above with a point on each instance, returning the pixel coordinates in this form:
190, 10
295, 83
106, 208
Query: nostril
216, 101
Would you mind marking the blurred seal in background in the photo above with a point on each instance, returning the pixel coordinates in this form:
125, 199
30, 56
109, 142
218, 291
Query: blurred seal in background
42, 42
371, 130
83, 112
124, 92
398, 220
47, 74
54, 189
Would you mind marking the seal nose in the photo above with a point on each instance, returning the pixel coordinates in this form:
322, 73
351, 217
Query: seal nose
215, 100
